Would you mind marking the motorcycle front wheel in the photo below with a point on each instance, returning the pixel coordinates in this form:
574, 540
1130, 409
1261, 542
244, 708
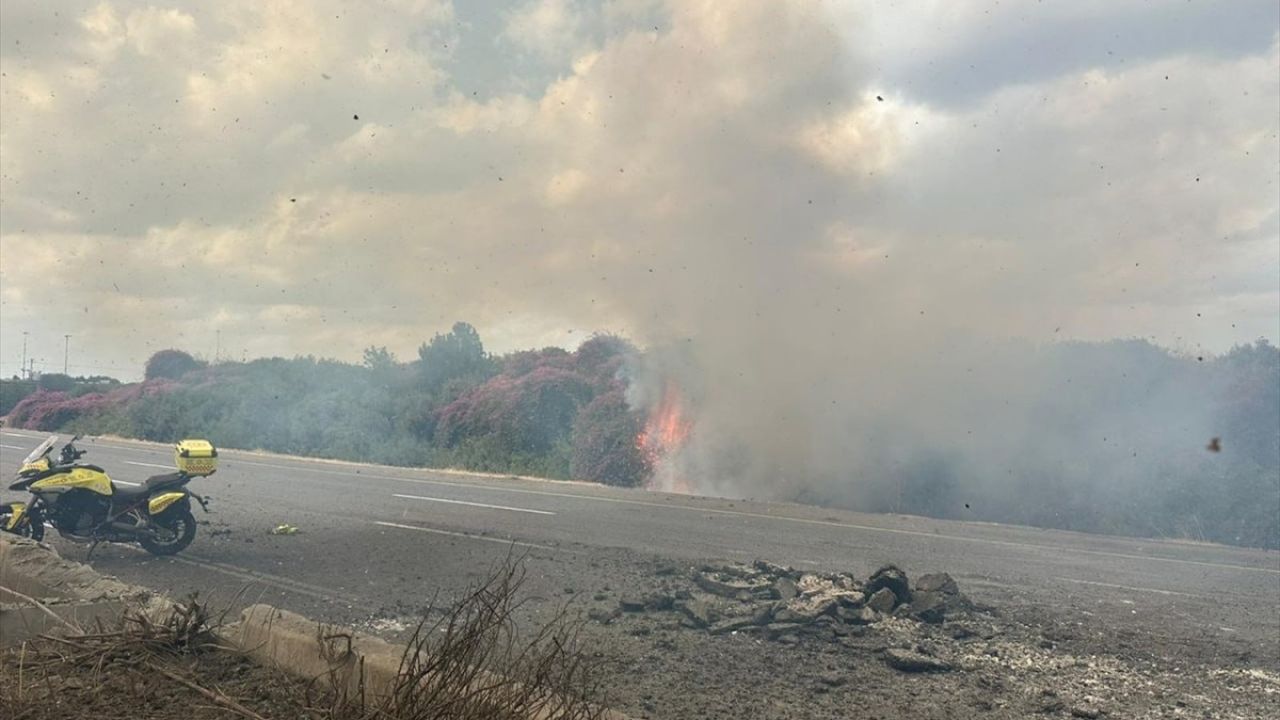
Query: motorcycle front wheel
174, 532
28, 527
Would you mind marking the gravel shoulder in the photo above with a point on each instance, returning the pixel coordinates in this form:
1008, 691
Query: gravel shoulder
1097, 653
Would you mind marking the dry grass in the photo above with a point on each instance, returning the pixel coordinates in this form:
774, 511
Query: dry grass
474, 664
104, 667
471, 664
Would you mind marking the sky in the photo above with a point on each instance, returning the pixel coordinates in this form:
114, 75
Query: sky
254, 178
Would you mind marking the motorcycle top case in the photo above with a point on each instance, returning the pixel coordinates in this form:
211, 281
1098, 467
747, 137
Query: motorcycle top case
196, 457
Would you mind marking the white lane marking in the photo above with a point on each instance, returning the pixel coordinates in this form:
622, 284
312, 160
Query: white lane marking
474, 504
13, 447
281, 583
1135, 589
740, 513
165, 467
13, 434
126, 482
803, 521
463, 535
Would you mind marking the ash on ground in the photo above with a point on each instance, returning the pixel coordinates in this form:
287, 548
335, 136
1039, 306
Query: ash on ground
764, 642
788, 606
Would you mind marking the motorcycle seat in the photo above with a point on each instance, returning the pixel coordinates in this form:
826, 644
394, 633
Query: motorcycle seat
150, 485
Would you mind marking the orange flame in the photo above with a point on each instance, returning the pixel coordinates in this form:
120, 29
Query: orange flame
665, 432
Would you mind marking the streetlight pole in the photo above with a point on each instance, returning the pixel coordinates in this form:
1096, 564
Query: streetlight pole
24, 352
66, 353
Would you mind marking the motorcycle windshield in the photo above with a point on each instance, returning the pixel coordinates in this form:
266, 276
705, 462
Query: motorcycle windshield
41, 449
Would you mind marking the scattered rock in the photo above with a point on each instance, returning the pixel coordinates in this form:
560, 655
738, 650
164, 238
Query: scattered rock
773, 631
732, 570
729, 588
659, 601
893, 578
802, 612
929, 607
853, 599
767, 568
866, 616
882, 600
785, 589
780, 602
909, 661
848, 614
937, 582
730, 625
698, 612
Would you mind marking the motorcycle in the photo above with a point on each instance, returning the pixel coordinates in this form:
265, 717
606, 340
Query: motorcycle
85, 506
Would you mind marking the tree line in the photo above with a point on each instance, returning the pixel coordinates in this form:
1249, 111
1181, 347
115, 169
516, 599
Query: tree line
1115, 452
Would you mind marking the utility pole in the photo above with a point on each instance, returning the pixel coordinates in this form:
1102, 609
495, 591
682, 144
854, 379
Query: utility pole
66, 353
217, 344
24, 352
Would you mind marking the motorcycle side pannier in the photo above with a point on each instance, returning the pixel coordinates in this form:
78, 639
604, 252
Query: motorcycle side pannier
196, 457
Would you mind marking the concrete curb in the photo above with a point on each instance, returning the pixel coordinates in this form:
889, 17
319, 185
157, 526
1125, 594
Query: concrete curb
68, 591
76, 593
308, 649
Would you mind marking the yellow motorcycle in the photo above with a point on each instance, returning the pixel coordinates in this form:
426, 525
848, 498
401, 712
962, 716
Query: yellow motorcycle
85, 506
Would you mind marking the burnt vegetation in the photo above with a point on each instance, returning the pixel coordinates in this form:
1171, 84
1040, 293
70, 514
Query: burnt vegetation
471, 663
1107, 437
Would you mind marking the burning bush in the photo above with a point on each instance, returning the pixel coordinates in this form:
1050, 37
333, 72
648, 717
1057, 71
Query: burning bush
604, 443
665, 433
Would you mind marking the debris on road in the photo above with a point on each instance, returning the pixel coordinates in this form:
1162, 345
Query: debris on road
909, 661
283, 529
892, 578
782, 604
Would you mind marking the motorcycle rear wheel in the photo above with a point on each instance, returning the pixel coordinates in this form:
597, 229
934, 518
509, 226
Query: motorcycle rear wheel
177, 530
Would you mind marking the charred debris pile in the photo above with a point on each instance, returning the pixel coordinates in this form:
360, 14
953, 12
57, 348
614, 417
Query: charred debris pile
783, 604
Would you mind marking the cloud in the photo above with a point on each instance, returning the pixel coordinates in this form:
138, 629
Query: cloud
316, 177
549, 28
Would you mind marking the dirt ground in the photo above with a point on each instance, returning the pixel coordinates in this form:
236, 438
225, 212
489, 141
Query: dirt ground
1091, 654
1006, 659
121, 691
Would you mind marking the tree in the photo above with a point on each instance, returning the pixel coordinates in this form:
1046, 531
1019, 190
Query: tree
171, 364
453, 355
379, 359
56, 382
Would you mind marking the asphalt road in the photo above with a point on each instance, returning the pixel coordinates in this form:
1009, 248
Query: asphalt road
374, 538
